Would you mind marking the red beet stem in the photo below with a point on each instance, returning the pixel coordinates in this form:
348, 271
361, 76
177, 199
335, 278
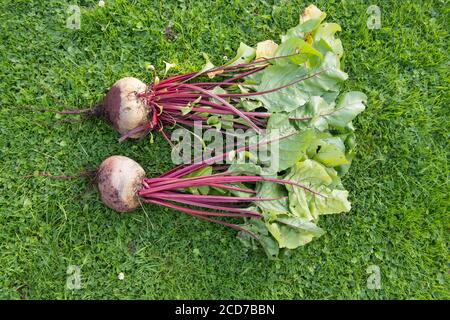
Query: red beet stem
198, 164
199, 212
217, 185
189, 212
224, 95
201, 198
208, 179
208, 205
224, 102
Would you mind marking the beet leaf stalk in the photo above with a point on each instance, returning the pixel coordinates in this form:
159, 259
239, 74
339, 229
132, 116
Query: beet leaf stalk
178, 101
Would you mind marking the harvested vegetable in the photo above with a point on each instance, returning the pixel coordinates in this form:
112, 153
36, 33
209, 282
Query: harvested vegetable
289, 93
123, 187
300, 76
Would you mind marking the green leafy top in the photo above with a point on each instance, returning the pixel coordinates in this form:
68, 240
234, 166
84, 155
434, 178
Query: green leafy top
323, 144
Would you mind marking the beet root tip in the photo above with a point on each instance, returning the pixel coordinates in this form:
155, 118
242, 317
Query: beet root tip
119, 179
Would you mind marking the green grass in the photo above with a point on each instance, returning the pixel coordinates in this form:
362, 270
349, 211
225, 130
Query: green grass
398, 183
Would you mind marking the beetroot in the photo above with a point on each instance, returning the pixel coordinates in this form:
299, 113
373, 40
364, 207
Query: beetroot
118, 179
122, 107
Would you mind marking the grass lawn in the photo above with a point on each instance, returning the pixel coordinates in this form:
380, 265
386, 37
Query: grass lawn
398, 183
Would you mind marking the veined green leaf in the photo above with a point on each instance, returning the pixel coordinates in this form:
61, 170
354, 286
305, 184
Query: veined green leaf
325, 78
310, 114
291, 234
249, 105
300, 30
348, 107
258, 228
286, 99
326, 32
330, 152
285, 152
244, 54
335, 201
302, 50
321, 147
317, 113
272, 190
331, 156
250, 169
300, 224
307, 205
